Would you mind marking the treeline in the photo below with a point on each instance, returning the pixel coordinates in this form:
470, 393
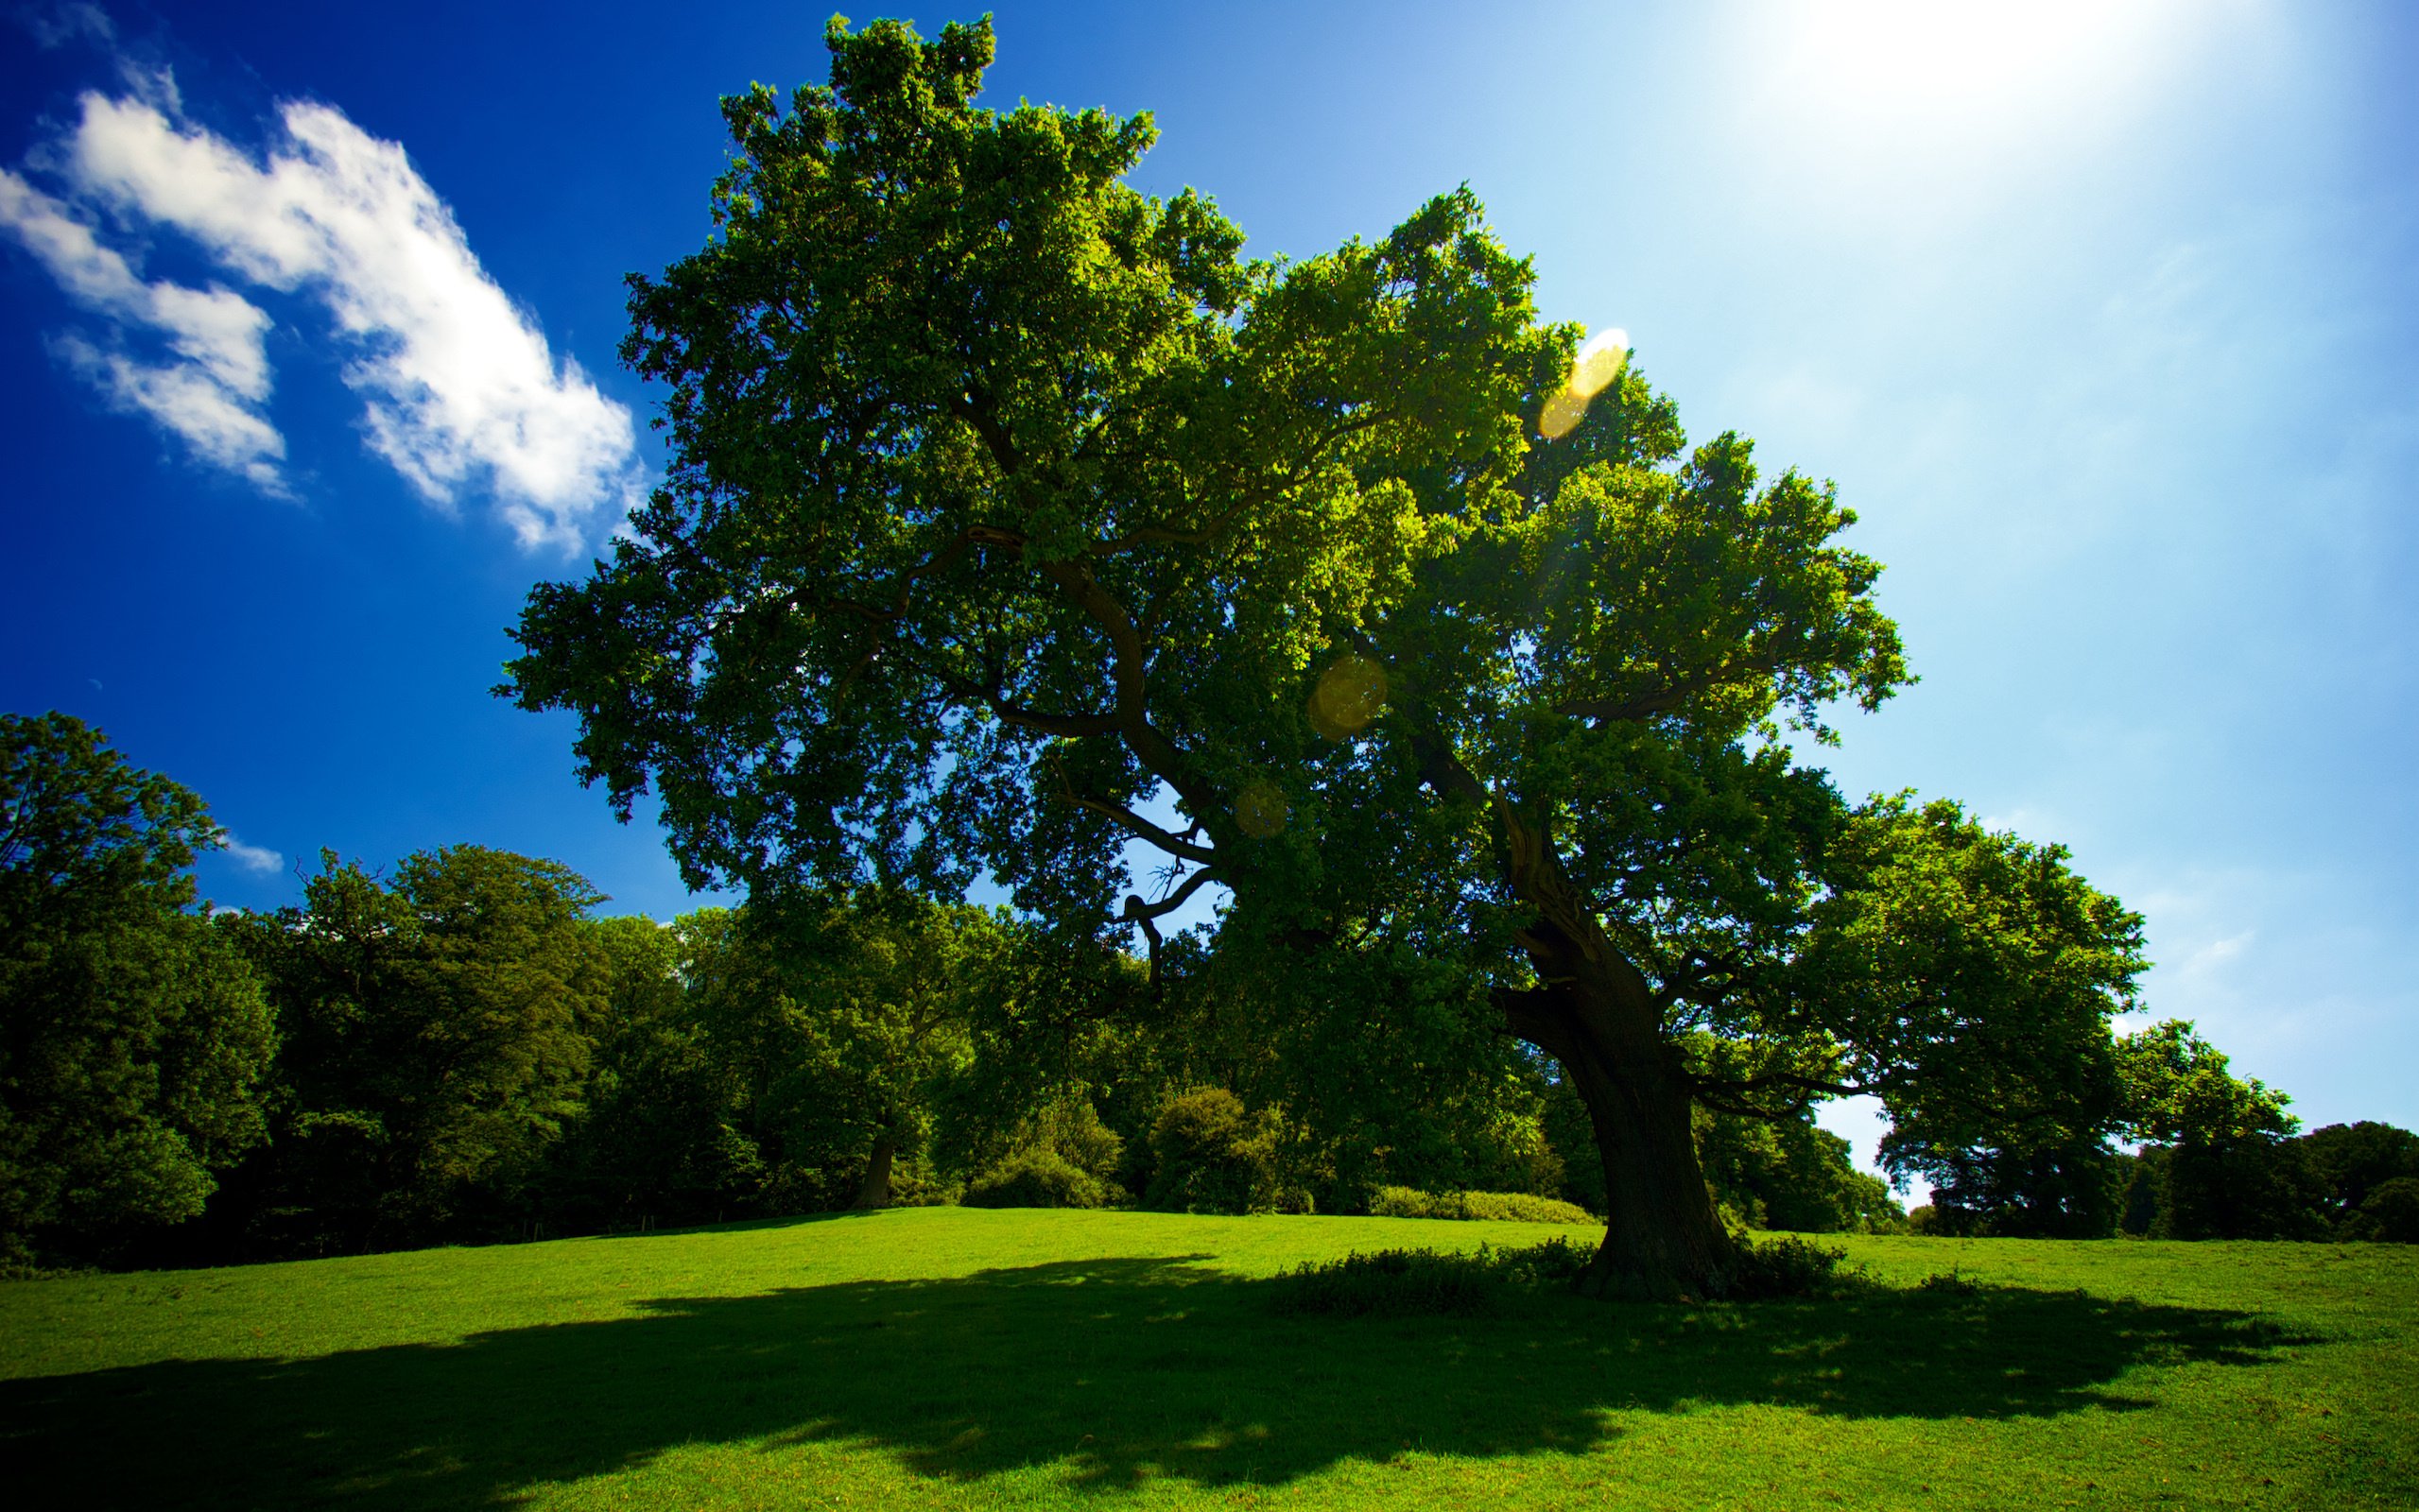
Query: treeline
2219, 1157
464, 1051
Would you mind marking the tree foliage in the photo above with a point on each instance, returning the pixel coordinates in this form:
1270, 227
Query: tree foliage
132, 1039
1007, 504
1969, 978
2220, 1161
436, 1032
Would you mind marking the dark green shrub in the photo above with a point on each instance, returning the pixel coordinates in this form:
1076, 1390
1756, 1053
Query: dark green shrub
1788, 1266
1039, 1179
1210, 1155
2351, 1162
1406, 1282
1072, 1127
2392, 1212
1516, 1207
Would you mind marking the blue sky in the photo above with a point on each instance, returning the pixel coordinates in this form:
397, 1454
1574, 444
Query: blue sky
2102, 314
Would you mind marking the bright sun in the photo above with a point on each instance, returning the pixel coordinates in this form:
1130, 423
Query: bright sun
1892, 57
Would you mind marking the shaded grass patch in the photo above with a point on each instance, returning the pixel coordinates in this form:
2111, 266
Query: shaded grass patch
1108, 1374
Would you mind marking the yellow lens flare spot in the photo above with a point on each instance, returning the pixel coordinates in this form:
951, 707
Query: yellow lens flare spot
1260, 811
1562, 415
1600, 360
1349, 695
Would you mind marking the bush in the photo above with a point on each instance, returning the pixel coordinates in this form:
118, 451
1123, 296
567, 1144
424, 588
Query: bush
2392, 1212
1779, 1268
1037, 1179
1517, 1207
1210, 1155
1071, 1127
1404, 1282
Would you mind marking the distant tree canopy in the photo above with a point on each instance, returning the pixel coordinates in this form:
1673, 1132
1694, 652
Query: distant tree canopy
132, 1039
437, 1034
2219, 1162
1006, 502
460, 1051
1990, 972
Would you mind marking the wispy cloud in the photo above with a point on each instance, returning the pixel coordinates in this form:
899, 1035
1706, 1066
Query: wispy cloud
211, 390
253, 858
56, 25
462, 392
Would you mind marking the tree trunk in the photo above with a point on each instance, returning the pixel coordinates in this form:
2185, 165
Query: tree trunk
875, 1190
1596, 1015
1663, 1241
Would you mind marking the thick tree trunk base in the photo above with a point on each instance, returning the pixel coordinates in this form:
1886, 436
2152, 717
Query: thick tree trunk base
1663, 1239
1619, 1273
875, 1191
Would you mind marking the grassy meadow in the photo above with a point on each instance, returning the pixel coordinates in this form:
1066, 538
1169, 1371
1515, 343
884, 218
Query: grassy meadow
956, 1357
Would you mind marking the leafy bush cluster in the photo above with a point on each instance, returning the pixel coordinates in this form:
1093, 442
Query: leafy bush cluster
1787, 1266
1518, 1206
1405, 1282
1211, 1155
1039, 1179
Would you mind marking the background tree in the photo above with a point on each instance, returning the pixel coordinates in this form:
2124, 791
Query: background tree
132, 1038
663, 1135
1365, 1063
2220, 1163
1968, 978
437, 1034
878, 991
2352, 1162
1007, 503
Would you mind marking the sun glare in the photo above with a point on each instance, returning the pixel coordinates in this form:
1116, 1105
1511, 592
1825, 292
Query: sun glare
1884, 55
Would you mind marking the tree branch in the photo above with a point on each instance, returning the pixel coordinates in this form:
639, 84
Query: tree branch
1132, 823
1724, 1094
1140, 912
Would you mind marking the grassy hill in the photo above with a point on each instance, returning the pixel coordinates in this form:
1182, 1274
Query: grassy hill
953, 1357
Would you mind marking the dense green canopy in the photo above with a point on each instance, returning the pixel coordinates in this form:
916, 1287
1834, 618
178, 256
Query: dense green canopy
1007, 503
132, 1038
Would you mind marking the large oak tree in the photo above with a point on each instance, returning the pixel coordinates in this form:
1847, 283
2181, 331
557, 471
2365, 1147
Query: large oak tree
1008, 507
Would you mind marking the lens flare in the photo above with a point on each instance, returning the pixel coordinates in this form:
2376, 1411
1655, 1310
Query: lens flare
1349, 695
1562, 415
1260, 811
1600, 362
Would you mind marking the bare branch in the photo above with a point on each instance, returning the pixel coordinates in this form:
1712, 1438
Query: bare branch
1132, 823
1141, 828
1136, 909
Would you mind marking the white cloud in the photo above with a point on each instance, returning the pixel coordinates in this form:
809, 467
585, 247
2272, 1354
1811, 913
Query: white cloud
460, 388
253, 858
212, 393
56, 25
186, 399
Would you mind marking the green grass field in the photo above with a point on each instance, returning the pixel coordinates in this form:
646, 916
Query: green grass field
953, 1357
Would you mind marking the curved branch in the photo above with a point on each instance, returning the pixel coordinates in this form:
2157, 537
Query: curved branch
1141, 828
1132, 823
1139, 912
1726, 1095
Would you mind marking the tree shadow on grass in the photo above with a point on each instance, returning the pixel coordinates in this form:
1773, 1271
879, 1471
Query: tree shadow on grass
1111, 1370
